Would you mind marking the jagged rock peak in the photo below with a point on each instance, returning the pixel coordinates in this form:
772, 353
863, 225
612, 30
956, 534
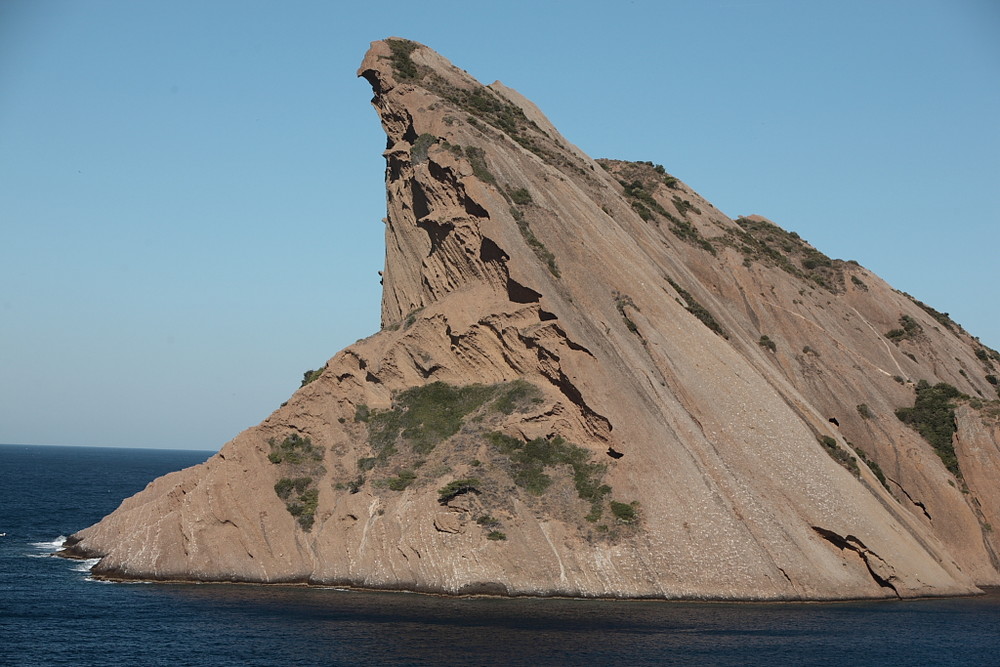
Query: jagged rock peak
591, 382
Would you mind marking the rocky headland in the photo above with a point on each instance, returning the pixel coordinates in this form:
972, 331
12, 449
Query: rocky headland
591, 382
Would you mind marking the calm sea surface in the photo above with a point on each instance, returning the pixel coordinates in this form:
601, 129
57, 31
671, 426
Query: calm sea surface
51, 613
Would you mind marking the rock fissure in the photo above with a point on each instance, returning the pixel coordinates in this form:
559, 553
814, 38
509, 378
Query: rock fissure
917, 503
880, 571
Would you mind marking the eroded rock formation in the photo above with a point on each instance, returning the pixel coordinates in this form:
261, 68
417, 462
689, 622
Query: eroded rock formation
591, 382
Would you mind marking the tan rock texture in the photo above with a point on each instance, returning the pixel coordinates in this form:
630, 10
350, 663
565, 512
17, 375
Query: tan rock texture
589, 382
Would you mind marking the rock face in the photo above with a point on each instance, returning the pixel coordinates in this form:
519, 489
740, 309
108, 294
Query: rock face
590, 382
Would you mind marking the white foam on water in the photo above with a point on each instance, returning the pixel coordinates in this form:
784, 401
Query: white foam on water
50, 547
85, 565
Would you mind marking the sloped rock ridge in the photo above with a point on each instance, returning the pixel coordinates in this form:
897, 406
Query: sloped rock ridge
590, 382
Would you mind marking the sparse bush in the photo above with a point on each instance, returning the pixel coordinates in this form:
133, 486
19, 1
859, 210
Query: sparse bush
768, 344
909, 331
636, 191
695, 308
449, 491
300, 499
517, 396
294, 449
641, 209
496, 535
402, 480
530, 459
521, 197
625, 512
411, 318
683, 206
353, 486
310, 376
874, 467
621, 302
286, 485
542, 252
403, 66
425, 416
477, 158
418, 153
865, 411
838, 454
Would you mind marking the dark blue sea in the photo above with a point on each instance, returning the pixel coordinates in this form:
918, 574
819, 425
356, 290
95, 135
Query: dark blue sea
51, 613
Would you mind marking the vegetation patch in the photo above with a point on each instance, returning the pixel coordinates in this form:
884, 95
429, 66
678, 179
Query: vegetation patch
695, 308
865, 411
639, 181
403, 66
294, 449
840, 455
874, 467
683, 206
909, 329
625, 512
942, 318
521, 196
531, 459
768, 344
301, 498
859, 283
411, 318
638, 194
418, 153
451, 490
422, 417
759, 240
482, 104
933, 417
353, 485
542, 252
515, 396
623, 301
310, 376
685, 231
477, 159
402, 480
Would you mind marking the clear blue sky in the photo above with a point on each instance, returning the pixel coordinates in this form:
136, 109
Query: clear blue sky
191, 192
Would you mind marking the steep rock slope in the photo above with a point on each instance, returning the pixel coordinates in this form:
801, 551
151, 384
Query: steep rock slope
591, 382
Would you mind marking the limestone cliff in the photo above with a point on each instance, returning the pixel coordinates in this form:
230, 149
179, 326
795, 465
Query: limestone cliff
591, 382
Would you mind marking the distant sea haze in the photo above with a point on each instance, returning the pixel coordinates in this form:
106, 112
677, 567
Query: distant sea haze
52, 613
